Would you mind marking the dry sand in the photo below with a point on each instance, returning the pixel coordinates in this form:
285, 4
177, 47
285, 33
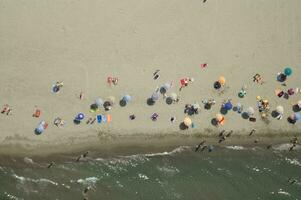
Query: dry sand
83, 42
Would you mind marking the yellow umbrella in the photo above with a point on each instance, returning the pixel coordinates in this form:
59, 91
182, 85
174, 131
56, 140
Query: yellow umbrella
222, 80
258, 98
187, 121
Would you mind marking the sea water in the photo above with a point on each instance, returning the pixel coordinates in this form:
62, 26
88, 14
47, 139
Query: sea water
234, 172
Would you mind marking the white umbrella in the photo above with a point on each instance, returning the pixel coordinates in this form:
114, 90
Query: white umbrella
250, 111
99, 102
299, 104
196, 106
173, 96
111, 99
280, 109
155, 96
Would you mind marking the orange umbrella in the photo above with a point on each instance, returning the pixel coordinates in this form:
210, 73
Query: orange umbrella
222, 80
220, 118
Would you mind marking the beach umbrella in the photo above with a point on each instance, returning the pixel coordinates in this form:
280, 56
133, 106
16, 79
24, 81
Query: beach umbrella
127, 98
299, 104
219, 117
99, 102
288, 71
297, 116
222, 80
228, 105
196, 106
173, 96
242, 93
80, 116
111, 100
250, 111
280, 109
155, 96
187, 121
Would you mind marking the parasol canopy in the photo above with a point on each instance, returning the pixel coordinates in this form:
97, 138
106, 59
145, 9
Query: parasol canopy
155, 96
173, 96
280, 109
99, 102
228, 105
222, 80
250, 111
80, 116
219, 117
288, 71
111, 100
187, 121
299, 104
127, 98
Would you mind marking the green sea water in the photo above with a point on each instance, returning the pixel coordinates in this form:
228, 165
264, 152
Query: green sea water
225, 173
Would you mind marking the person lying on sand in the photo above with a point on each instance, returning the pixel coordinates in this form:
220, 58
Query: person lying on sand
156, 75
258, 79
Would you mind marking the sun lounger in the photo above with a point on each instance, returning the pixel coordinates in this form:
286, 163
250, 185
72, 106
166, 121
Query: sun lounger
99, 118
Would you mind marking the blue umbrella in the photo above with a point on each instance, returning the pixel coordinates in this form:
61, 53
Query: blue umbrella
228, 105
297, 116
127, 98
288, 71
80, 116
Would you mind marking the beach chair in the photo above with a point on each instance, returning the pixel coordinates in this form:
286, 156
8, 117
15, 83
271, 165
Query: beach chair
99, 118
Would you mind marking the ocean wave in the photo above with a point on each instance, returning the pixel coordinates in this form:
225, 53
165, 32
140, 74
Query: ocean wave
293, 161
10, 196
42, 180
285, 147
87, 181
177, 150
281, 191
235, 147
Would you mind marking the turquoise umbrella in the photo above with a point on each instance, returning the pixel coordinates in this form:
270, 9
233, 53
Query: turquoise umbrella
288, 71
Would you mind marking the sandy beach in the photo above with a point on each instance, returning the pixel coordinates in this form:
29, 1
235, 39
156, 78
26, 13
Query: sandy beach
81, 43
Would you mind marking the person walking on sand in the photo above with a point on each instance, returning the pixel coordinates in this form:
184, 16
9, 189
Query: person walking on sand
252, 131
81, 95
50, 165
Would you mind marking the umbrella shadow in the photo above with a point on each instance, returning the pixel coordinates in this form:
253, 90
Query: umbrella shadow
214, 122
182, 126
296, 108
235, 109
76, 121
122, 103
223, 111
168, 101
216, 85
207, 106
150, 102
291, 121
163, 90
245, 115
274, 114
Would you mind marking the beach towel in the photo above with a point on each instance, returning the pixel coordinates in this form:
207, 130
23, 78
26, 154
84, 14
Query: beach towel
99, 118
104, 119
184, 82
109, 118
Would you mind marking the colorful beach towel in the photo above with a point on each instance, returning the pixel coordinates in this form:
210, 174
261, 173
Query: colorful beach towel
104, 119
109, 118
99, 118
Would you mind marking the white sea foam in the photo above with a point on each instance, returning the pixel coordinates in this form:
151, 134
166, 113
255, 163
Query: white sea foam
87, 181
285, 147
293, 161
28, 160
170, 170
42, 180
235, 147
281, 191
143, 176
10, 196
174, 151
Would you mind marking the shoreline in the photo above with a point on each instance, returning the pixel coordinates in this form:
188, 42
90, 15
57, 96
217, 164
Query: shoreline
110, 144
